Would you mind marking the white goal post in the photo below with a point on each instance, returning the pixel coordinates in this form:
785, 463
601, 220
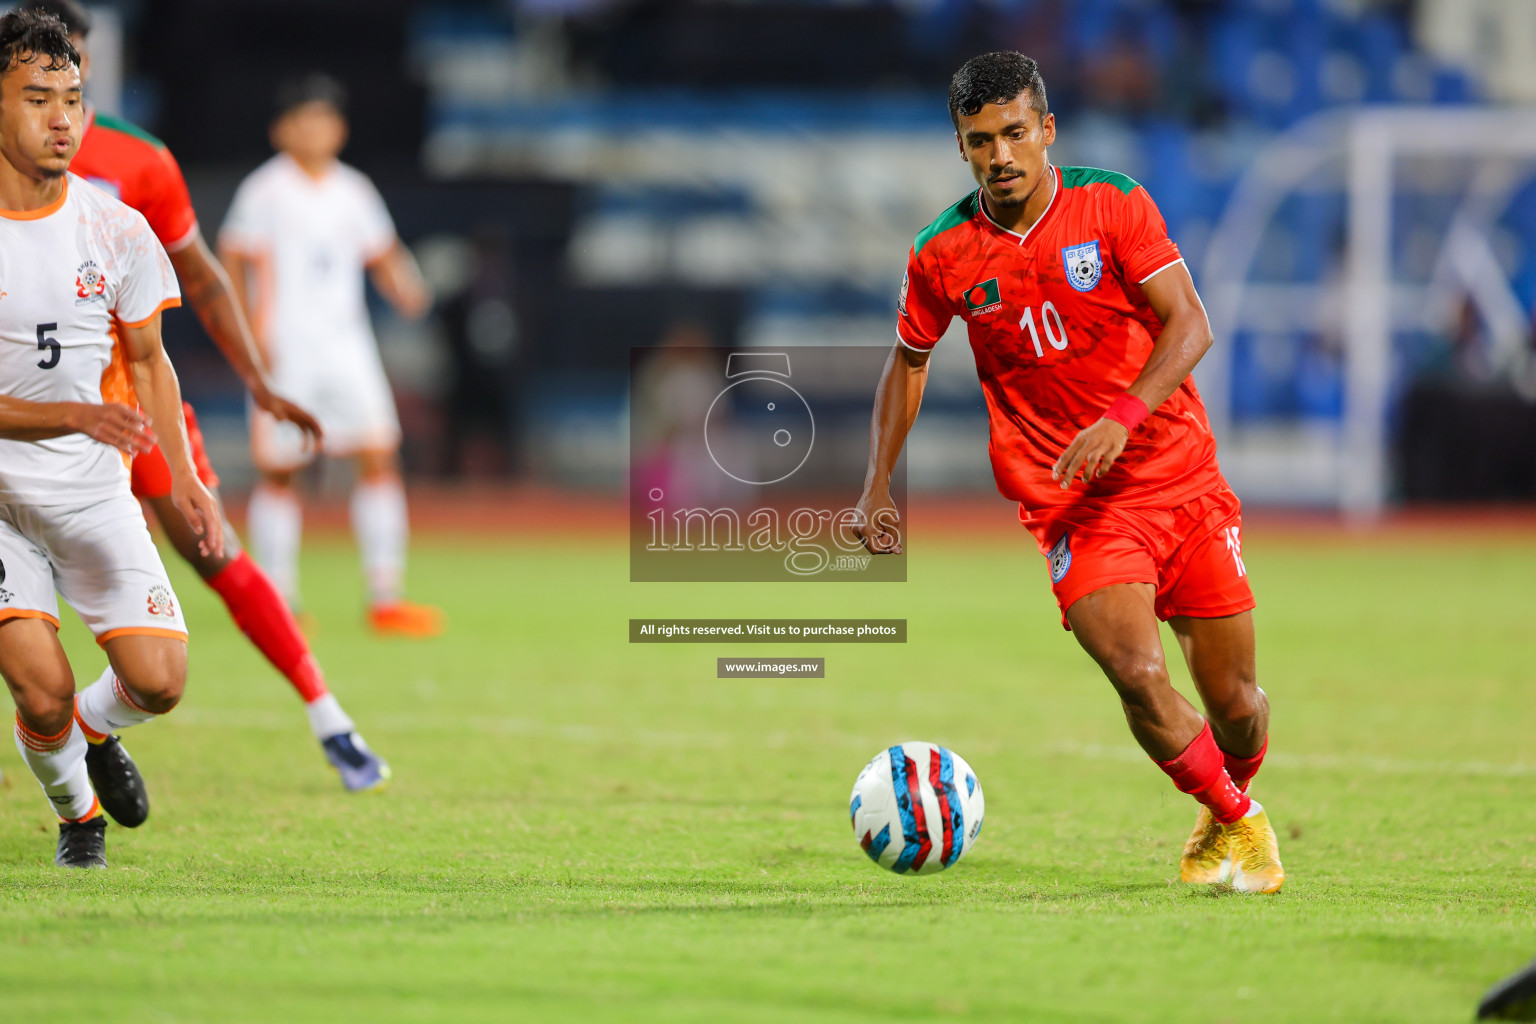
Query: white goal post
1360, 153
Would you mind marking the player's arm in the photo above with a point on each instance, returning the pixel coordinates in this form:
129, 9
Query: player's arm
113, 423
212, 294
1185, 338
154, 379
897, 399
398, 278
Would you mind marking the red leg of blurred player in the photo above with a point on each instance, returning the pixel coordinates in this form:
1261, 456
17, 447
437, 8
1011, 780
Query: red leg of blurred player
257, 608
263, 616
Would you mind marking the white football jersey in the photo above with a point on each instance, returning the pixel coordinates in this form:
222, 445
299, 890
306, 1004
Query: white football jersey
309, 241
69, 274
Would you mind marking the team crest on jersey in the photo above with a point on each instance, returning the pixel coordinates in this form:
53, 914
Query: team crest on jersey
983, 298
901, 300
1083, 266
1061, 557
90, 283
161, 602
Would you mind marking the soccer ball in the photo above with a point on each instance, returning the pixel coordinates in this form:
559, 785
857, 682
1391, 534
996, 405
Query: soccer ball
917, 808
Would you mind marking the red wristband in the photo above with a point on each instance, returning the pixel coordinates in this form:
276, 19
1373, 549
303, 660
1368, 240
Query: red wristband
1128, 411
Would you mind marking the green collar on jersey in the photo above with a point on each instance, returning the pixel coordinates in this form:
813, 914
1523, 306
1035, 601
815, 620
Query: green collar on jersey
965, 209
953, 217
117, 124
1077, 177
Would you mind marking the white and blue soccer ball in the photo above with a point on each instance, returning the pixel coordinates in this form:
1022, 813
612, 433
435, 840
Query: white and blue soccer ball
916, 808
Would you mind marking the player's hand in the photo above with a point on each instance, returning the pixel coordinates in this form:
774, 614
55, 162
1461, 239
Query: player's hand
1092, 452
876, 528
282, 409
121, 426
192, 499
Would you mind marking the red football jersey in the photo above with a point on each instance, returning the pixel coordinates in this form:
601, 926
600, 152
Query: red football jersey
1060, 327
134, 166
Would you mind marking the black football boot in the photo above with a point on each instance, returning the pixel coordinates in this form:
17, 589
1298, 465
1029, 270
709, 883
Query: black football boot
82, 844
117, 782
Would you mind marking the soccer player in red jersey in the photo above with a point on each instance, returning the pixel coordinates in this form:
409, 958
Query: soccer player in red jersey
1085, 326
135, 167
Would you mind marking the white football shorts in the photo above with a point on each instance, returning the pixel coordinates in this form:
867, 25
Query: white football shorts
99, 556
351, 399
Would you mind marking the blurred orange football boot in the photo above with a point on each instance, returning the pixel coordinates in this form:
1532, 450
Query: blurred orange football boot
403, 618
1253, 854
1205, 852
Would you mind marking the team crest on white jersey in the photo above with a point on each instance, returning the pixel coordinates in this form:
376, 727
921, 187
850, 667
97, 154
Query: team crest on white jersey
1061, 557
90, 283
1083, 266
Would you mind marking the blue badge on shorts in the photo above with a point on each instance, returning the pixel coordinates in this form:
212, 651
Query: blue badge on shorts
1061, 557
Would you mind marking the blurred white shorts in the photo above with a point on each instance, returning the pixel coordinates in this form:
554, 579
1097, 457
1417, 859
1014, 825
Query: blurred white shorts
351, 400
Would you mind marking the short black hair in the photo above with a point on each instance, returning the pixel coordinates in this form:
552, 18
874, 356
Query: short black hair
316, 87
76, 19
28, 36
995, 78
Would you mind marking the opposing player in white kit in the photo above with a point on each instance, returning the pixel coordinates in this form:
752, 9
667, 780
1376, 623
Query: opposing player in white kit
83, 281
299, 235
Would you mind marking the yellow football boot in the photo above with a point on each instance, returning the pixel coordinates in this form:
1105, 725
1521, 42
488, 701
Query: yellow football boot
1253, 854
1206, 851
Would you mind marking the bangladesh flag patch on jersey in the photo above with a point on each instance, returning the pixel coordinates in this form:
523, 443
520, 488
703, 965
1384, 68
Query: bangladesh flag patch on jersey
984, 297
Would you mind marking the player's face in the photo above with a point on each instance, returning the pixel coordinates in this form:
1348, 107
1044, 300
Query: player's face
312, 132
41, 116
1005, 145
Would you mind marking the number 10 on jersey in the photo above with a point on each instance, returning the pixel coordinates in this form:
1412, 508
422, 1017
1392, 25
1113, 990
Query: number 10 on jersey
1055, 330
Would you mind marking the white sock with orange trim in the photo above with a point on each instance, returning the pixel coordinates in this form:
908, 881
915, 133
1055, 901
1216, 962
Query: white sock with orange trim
106, 706
380, 522
58, 762
275, 521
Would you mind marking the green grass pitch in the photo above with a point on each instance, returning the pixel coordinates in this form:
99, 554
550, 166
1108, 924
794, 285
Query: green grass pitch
581, 830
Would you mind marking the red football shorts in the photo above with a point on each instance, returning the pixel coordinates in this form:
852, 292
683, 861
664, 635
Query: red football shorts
151, 474
1192, 553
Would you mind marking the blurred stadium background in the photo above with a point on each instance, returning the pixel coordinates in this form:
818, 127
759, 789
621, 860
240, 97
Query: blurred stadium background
1353, 183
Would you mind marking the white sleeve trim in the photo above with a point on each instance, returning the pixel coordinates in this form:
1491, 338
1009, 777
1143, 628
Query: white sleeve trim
907, 344
185, 240
1159, 270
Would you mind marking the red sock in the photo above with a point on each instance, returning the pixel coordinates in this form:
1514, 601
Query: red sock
1200, 773
1243, 769
263, 616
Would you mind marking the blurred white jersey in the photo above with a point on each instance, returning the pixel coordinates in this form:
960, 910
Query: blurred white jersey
310, 240
70, 273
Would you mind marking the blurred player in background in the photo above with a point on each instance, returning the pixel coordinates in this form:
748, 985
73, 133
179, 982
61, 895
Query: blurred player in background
299, 235
85, 281
1085, 326
135, 167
